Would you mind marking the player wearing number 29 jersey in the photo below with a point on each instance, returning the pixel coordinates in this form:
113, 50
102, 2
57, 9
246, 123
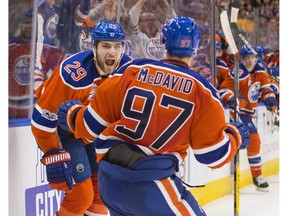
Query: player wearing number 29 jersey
77, 77
155, 112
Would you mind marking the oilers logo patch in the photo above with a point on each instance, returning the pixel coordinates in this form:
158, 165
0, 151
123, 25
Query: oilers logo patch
154, 49
250, 125
253, 92
51, 26
80, 168
85, 41
21, 69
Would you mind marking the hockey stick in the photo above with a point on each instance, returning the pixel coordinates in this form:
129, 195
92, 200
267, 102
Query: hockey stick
233, 20
229, 37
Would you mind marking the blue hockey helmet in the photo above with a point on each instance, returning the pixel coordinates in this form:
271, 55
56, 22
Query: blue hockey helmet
181, 36
108, 30
245, 51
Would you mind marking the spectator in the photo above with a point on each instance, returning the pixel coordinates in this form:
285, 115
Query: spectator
19, 69
48, 16
145, 36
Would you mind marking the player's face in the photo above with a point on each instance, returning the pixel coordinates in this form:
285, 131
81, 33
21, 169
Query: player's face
26, 29
108, 54
249, 61
149, 24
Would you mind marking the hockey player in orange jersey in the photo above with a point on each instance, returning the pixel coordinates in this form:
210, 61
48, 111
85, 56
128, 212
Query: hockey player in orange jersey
221, 66
77, 77
271, 62
155, 112
253, 83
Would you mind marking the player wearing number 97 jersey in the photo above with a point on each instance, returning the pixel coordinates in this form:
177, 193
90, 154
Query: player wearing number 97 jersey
77, 77
155, 112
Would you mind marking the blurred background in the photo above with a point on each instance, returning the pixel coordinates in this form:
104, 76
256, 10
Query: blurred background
44, 32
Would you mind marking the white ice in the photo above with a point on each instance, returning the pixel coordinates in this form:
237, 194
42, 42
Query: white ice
252, 202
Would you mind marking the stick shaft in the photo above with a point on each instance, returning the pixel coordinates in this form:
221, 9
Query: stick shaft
230, 39
236, 158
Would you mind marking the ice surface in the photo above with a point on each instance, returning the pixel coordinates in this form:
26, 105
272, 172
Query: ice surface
252, 202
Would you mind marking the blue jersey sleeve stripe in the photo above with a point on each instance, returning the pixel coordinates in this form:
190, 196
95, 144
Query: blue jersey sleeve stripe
44, 118
214, 147
208, 156
104, 143
43, 128
94, 124
215, 157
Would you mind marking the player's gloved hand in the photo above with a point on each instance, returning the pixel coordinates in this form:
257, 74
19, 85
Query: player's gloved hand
272, 60
273, 71
275, 89
66, 114
231, 102
58, 169
240, 132
270, 101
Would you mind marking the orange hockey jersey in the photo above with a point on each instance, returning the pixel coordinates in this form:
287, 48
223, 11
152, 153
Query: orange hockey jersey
19, 79
163, 108
251, 86
222, 71
75, 78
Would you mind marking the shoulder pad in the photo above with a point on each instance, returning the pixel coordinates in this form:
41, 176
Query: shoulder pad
125, 58
79, 71
220, 62
259, 67
242, 71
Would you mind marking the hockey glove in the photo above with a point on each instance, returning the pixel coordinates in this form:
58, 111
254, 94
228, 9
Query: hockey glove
240, 132
275, 89
66, 114
270, 102
231, 101
273, 71
58, 169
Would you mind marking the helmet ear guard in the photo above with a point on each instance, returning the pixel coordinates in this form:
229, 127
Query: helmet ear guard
181, 36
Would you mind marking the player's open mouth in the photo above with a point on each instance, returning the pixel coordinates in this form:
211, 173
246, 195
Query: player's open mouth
109, 62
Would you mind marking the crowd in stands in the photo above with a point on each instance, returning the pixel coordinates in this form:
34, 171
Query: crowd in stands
63, 28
